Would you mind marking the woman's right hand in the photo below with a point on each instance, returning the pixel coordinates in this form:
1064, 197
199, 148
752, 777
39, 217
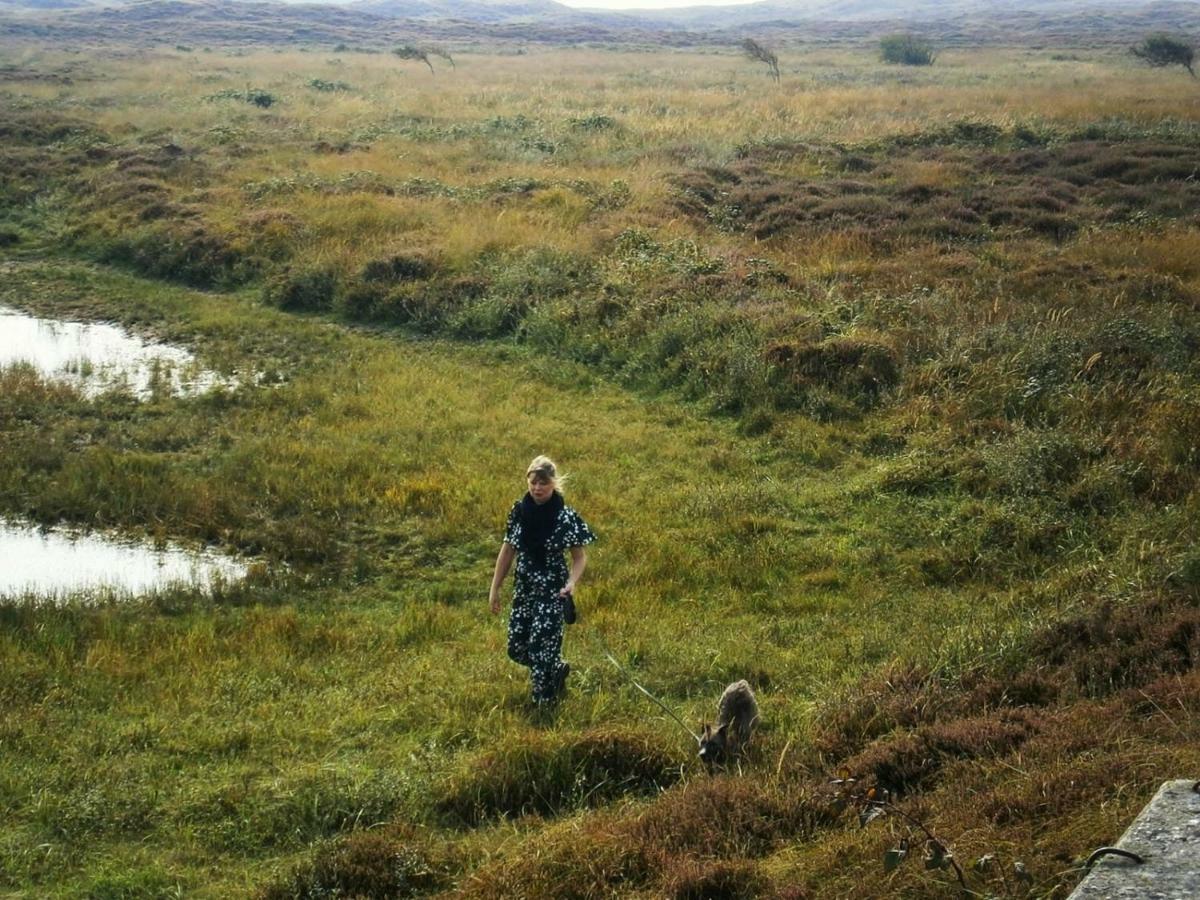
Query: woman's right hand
494, 602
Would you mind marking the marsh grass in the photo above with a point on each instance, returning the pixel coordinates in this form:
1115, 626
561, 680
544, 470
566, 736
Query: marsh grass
931, 489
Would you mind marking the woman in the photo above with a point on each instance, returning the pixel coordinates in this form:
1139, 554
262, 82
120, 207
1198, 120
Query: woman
540, 527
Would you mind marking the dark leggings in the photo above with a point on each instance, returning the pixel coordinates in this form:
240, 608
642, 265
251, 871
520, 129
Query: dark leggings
535, 633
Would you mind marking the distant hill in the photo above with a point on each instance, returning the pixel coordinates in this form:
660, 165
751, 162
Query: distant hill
378, 22
471, 10
34, 6
915, 11
375, 23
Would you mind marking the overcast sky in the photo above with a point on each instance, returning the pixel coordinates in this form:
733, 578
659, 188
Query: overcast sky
648, 4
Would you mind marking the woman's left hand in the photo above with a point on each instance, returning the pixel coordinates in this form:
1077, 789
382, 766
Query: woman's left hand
568, 588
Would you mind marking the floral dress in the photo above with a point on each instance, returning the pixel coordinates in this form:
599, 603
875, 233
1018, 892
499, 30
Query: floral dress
535, 628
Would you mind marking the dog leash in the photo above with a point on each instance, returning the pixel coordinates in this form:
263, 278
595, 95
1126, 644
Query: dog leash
612, 659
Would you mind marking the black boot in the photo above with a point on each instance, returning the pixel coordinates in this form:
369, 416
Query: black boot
560, 682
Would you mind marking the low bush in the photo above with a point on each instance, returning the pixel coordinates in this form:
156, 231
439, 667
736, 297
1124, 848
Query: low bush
860, 367
399, 267
1114, 648
697, 837
906, 49
1164, 49
40, 127
593, 122
193, 254
302, 289
729, 816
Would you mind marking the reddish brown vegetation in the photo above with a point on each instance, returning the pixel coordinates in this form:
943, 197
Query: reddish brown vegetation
1109, 698
1049, 191
700, 836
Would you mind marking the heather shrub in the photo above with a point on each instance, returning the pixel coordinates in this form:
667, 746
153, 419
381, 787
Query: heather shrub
39, 127
1047, 190
400, 267
535, 275
320, 84
897, 697
425, 306
911, 761
1112, 648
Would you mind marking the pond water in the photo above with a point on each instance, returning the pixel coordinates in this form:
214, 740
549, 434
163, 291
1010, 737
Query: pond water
99, 357
59, 563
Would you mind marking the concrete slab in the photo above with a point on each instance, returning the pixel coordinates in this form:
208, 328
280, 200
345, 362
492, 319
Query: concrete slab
1166, 834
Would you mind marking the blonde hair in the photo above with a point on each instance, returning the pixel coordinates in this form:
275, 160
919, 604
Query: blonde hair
544, 467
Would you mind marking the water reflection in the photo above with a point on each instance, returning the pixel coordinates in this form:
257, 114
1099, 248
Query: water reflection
99, 357
58, 563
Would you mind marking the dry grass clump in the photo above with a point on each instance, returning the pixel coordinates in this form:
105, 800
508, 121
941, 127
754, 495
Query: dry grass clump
550, 775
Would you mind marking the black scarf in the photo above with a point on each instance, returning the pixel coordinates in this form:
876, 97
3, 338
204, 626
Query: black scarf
537, 524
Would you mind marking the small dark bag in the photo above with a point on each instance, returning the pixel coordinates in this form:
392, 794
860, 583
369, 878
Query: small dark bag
568, 605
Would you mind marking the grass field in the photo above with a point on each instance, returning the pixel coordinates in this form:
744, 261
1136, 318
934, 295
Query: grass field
879, 387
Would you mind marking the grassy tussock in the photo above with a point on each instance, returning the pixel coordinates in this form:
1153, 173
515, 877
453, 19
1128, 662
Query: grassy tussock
388, 863
550, 776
